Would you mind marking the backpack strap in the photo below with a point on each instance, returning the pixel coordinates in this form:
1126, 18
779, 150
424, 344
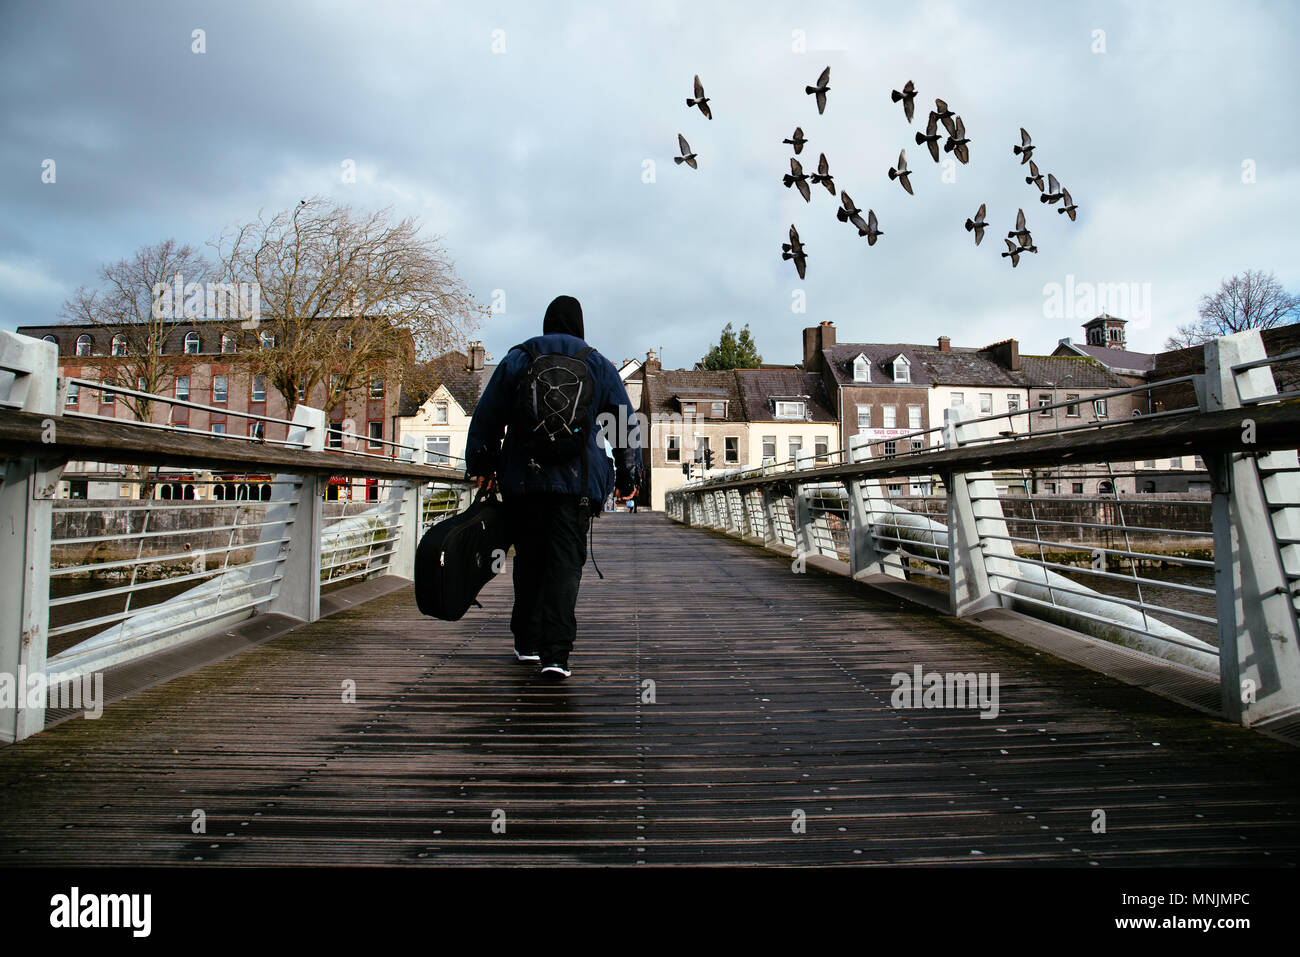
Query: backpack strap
531, 351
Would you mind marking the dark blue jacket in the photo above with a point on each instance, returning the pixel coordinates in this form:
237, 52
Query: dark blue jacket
486, 453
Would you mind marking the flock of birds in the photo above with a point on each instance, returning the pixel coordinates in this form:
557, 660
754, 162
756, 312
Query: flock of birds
1019, 240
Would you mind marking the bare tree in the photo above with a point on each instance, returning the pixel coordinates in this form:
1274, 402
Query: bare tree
346, 298
1253, 300
125, 306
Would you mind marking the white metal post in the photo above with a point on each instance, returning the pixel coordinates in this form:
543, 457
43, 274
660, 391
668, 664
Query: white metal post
1259, 634
864, 557
408, 499
29, 370
973, 512
296, 507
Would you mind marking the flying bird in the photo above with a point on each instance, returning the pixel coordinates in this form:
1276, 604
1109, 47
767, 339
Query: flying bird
944, 114
977, 224
700, 99
957, 142
1053, 192
908, 96
872, 231
1068, 208
798, 177
823, 175
1026, 147
1034, 178
823, 84
1021, 232
794, 250
901, 173
849, 213
687, 156
797, 141
1013, 251
931, 137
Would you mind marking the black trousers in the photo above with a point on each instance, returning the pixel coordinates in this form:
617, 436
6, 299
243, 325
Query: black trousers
550, 552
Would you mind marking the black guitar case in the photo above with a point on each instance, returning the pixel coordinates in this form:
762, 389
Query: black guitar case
457, 557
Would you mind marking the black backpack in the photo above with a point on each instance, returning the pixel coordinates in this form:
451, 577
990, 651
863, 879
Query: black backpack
552, 414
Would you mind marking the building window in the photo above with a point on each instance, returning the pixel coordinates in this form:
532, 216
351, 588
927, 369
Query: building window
302, 389
917, 445
1099, 408
74, 391
191, 343
688, 409
219, 388
1072, 410
1013, 403
796, 446
891, 449
890, 417
375, 432
1198, 462
1077, 488
895, 488
440, 413
118, 347
864, 417
183, 388
958, 398
769, 448
1043, 402
335, 438
914, 417
1149, 463
861, 369
790, 410
227, 343
902, 370
674, 451
376, 388
49, 339
255, 430
83, 345
106, 397
437, 450
986, 402
259, 388
218, 428
719, 410
1176, 462
731, 449
1049, 488
268, 340
821, 447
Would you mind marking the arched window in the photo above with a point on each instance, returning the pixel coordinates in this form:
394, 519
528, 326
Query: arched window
861, 369
50, 339
119, 345
227, 343
218, 492
83, 345
266, 492
191, 343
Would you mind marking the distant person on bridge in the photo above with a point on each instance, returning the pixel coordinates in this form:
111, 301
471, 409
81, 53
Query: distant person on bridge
552, 471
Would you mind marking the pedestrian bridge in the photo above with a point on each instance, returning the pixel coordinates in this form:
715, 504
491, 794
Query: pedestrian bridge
787, 667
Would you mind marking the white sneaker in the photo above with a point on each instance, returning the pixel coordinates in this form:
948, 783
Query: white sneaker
529, 658
555, 672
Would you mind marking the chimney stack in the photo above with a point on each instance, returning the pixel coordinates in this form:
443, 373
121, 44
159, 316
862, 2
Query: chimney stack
652, 362
1005, 354
945, 344
475, 357
815, 339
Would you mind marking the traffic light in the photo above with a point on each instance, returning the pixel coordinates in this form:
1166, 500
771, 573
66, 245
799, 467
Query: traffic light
686, 469
708, 458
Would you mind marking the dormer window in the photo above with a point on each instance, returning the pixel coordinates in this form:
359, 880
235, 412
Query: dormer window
902, 369
861, 369
791, 410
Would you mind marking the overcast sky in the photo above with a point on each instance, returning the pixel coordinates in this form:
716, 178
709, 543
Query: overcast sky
530, 163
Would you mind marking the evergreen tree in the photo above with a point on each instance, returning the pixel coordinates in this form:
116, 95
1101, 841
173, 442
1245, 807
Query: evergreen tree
733, 352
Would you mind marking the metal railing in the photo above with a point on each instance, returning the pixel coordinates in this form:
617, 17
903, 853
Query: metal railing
1211, 582
90, 584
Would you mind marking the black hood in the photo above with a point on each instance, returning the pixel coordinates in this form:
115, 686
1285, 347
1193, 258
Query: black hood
564, 314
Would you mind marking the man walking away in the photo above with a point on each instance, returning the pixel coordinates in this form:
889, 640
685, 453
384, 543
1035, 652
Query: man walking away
552, 471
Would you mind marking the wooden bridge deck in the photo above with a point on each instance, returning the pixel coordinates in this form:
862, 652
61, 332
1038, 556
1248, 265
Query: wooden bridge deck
772, 697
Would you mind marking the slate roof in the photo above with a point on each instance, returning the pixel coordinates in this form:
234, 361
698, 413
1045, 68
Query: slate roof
448, 369
1084, 373
966, 367
1116, 358
662, 386
757, 386
839, 359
